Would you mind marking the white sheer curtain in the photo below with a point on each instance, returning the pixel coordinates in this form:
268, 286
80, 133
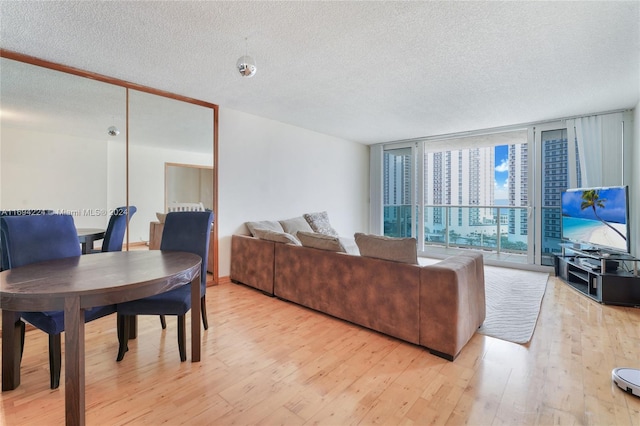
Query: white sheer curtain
589, 139
600, 143
612, 150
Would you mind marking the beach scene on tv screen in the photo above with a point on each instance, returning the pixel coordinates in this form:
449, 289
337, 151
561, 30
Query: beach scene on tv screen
596, 216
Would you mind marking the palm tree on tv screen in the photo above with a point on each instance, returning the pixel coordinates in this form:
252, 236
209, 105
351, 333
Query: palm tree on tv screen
591, 198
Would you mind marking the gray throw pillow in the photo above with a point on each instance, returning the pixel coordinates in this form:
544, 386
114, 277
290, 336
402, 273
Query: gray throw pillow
277, 237
295, 224
319, 222
268, 225
320, 241
403, 250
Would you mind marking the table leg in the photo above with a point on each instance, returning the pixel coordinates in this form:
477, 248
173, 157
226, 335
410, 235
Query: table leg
11, 348
195, 319
74, 362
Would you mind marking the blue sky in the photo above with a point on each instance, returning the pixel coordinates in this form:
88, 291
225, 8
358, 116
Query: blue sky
501, 172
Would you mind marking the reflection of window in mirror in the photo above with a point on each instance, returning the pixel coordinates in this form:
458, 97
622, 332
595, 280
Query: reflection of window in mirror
188, 183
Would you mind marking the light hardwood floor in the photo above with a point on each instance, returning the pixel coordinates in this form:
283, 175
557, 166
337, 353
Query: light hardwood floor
266, 361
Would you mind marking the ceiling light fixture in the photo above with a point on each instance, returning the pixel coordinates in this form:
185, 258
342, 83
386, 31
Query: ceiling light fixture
113, 131
246, 65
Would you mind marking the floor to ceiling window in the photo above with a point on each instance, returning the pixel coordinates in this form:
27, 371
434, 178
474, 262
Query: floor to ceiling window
497, 192
476, 192
398, 191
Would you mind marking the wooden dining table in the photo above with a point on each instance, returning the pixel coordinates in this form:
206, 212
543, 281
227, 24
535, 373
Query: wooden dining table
75, 284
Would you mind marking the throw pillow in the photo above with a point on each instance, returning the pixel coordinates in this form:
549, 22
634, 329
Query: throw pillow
161, 217
268, 225
293, 225
276, 237
349, 245
319, 222
403, 250
320, 241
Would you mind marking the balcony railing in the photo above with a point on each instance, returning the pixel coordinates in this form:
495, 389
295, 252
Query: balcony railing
493, 228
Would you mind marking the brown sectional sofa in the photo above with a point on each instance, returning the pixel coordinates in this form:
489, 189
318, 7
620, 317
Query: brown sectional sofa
437, 306
252, 262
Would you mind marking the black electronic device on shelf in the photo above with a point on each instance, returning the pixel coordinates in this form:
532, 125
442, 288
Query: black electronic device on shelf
602, 275
596, 264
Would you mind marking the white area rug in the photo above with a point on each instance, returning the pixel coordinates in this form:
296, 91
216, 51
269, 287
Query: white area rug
513, 299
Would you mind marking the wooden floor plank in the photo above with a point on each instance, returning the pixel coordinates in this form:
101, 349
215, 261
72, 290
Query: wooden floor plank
267, 361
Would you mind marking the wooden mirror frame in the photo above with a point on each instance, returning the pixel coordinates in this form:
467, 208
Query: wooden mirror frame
128, 85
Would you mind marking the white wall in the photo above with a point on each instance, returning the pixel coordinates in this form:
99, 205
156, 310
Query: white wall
86, 178
53, 171
268, 170
634, 187
271, 171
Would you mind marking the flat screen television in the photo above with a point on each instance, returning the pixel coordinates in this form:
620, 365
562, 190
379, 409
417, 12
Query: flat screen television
597, 218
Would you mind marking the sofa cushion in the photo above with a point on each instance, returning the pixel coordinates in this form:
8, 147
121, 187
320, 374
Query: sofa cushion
349, 245
403, 250
295, 224
269, 225
319, 222
276, 237
320, 241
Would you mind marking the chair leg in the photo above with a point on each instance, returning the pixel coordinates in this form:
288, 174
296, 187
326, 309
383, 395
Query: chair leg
181, 337
22, 332
123, 323
133, 326
55, 359
163, 322
203, 309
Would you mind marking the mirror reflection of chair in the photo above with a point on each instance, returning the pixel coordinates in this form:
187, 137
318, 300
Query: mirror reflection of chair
31, 239
185, 207
114, 235
183, 231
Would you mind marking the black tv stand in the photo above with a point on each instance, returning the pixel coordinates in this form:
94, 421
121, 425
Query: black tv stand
604, 277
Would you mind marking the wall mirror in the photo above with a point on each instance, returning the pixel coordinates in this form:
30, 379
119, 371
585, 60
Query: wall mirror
162, 130
56, 151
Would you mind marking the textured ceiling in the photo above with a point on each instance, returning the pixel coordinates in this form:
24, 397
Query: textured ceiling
363, 71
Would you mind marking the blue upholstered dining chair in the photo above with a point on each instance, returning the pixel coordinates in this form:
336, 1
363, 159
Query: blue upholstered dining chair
5, 213
183, 231
31, 239
184, 207
114, 235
